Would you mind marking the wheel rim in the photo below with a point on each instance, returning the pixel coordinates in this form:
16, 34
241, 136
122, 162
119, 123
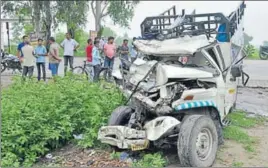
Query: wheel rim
204, 144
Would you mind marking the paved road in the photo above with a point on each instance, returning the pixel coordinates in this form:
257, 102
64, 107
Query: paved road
257, 69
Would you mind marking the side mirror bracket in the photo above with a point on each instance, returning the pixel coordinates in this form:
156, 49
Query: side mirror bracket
237, 71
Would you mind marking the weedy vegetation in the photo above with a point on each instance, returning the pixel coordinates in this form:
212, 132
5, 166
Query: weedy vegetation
236, 131
39, 117
151, 160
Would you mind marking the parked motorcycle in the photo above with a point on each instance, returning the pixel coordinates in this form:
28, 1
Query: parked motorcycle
263, 54
10, 61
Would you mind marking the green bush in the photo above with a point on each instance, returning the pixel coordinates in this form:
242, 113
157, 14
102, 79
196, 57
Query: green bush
39, 117
151, 160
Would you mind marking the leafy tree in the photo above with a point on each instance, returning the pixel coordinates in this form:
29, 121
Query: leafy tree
121, 12
73, 13
16, 8
24, 9
247, 39
16, 32
250, 50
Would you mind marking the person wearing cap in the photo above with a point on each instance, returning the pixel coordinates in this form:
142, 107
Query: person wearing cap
40, 51
54, 58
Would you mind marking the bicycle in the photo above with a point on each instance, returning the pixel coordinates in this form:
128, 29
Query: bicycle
87, 72
84, 72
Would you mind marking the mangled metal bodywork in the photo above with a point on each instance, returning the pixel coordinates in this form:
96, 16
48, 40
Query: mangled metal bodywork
163, 90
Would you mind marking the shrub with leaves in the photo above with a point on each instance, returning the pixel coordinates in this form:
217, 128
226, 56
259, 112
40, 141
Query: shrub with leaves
38, 117
151, 160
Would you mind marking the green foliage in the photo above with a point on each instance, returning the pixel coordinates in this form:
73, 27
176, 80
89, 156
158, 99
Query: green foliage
237, 134
238, 164
13, 49
151, 160
235, 131
73, 13
240, 119
115, 155
38, 117
252, 52
28, 28
249, 50
16, 32
121, 12
16, 8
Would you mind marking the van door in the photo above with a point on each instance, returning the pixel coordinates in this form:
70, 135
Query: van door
231, 83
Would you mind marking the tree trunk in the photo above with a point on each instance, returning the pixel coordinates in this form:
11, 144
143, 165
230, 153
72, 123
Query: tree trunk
48, 21
71, 31
37, 16
98, 16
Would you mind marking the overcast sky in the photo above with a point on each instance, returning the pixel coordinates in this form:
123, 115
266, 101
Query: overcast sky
255, 23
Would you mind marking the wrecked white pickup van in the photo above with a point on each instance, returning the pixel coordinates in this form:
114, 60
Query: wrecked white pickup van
175, 104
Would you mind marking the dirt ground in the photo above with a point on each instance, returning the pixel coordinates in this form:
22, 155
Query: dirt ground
233, 154
230, 154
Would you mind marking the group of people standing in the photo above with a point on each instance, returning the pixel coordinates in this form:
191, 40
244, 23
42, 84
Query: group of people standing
29, 56
99, 49
95, 51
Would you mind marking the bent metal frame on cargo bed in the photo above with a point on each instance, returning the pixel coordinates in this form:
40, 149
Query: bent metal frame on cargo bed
171, 25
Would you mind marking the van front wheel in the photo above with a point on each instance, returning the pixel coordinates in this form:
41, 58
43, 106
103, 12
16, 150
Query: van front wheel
197, 141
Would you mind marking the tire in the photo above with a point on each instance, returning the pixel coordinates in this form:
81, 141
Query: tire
263, 56
101, 74
80, 72
3, 67
120, 116
190, 130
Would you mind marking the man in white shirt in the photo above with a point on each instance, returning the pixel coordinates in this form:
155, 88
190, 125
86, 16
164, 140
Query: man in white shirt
28, 60
69, 45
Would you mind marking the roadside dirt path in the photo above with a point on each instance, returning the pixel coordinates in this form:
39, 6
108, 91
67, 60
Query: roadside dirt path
233, 154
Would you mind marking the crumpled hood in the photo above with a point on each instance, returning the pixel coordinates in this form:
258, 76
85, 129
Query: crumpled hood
165, 72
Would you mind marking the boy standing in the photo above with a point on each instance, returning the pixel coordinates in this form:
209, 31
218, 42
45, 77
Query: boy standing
124, 51
96, 60
109, 52
28, 60
19, 52
41, 52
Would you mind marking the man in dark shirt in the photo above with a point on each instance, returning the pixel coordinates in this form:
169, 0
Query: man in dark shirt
124, 51
25, 40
